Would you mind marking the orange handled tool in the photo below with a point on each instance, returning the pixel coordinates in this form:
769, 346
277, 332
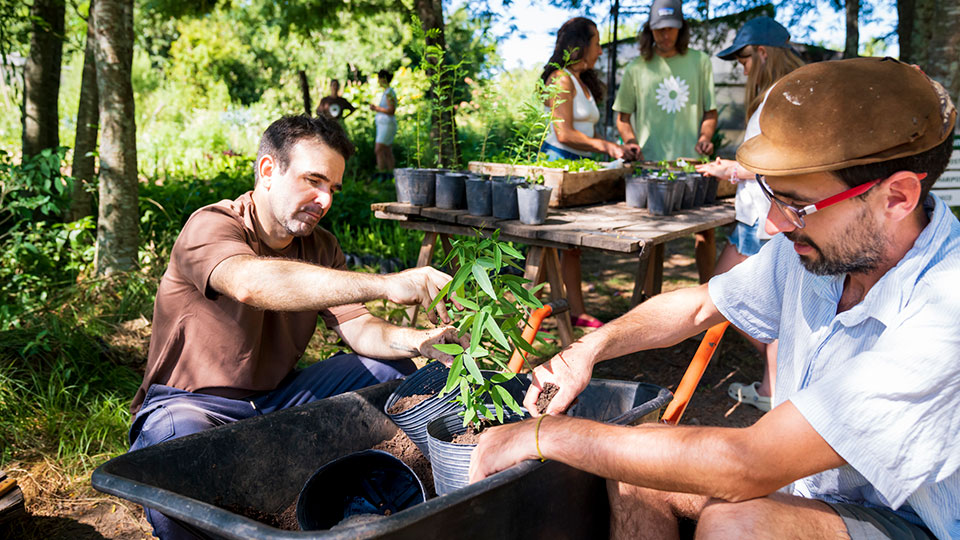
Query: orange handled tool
693, 374
533, 326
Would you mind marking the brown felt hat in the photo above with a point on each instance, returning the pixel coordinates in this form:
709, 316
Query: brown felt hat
832, 115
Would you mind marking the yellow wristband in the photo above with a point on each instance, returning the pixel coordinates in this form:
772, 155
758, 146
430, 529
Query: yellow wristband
537, 438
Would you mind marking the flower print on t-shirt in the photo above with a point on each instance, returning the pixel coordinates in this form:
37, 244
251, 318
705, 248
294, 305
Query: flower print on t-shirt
673, 94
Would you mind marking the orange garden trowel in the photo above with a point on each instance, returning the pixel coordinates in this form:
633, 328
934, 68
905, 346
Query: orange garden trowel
693, 374
559, 305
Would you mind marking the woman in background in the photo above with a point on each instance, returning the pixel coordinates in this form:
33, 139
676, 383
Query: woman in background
386, 122
762, 47
575, 113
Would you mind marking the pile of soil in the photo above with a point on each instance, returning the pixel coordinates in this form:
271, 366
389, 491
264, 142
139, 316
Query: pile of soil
547, 393
402, 448
407, 403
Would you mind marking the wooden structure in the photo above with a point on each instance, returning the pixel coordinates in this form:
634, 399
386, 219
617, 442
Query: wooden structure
11, 499
569, 188
611, 227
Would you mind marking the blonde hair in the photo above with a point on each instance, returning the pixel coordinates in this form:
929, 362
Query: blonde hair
779, 62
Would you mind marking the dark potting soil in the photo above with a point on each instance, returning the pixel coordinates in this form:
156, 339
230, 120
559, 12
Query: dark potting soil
402, 448
472, 434
408, 402
546, 396
285, 520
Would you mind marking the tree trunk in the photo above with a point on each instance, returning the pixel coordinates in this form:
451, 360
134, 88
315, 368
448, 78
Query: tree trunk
88, 122
117, 225
935, 43
41, 77
905, 15
305, 92
443, 123
852, 47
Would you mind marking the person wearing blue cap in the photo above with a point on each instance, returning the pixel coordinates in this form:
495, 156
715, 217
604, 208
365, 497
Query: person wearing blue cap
762, 47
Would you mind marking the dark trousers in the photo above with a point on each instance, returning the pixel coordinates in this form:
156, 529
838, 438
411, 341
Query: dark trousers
168, 413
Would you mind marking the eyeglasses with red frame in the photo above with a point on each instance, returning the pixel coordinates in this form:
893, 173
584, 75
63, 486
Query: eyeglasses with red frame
795, 215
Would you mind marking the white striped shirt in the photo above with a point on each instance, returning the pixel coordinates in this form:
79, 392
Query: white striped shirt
879, 382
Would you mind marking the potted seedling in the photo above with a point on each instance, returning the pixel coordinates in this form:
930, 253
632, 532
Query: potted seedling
490, 305
660, 197
533, 200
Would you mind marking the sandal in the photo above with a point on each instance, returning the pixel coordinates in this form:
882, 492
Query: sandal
585, 321
747, 393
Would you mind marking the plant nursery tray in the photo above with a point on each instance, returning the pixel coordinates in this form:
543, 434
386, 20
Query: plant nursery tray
569, 188
261, 464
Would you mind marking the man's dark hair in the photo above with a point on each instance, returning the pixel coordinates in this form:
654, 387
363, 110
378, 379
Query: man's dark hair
933, 162
647, 43
385, 74
574, 38
279, 139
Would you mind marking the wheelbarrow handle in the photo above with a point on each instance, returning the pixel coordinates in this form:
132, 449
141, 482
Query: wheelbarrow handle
532, 327
693, 374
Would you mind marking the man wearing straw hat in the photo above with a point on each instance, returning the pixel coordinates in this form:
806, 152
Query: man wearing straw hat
860, 289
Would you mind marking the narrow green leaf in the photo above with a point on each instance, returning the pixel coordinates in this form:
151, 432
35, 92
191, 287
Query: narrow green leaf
508, 399
449, 348
483, 280
495, 331
472, 368
511, 251
469, 304
477, 331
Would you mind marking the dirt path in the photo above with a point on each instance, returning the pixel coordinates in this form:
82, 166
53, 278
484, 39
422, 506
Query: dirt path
61, 511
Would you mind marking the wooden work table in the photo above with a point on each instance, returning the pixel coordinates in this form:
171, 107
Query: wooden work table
610, 227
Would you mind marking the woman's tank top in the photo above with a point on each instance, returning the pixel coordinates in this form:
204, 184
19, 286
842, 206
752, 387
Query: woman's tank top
585, 117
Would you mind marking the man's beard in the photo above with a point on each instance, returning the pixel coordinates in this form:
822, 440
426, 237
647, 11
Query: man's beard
860, 251
297, 227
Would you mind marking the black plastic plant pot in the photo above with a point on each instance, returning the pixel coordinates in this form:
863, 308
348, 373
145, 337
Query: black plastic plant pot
505, 197
361, 486
532, 203
479, 196
660, 197
451, 191
404, 180
689, 191
711, 192
701, 190
429, 379
636, 191
451, 462
423, 187
678, 188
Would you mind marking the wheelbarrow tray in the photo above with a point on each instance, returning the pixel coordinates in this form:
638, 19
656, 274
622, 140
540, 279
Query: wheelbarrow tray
261, 463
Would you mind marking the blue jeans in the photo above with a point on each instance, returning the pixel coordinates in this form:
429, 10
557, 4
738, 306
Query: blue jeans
168, 413
554, 153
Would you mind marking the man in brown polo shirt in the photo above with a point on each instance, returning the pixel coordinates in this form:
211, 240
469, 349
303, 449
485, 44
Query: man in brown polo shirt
240, 298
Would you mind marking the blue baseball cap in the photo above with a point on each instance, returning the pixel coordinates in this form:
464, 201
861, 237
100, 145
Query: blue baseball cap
759, 31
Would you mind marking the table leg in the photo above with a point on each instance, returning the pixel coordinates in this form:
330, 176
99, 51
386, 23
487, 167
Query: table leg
543, 263
557, 290
705, 250
649, 273
426, 256
642, 267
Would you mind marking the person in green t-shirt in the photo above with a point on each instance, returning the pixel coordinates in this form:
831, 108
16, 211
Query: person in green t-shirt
666, 107
666, 103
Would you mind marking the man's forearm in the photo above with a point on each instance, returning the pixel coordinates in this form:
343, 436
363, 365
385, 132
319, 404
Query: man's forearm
625, 128
709, 124
284, 285
662, 321
376, 338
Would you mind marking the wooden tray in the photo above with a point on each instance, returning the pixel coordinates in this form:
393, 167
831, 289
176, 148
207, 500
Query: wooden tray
569, 188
